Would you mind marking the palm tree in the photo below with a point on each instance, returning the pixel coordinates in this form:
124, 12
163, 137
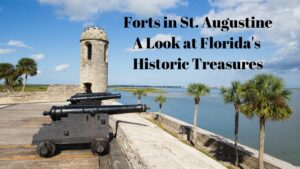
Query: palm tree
266, 98
196, 90
26, 66
160, 100
9, 74
234, 95
139, 93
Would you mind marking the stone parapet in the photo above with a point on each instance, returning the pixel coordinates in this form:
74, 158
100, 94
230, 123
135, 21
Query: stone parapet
218, 146
54, 93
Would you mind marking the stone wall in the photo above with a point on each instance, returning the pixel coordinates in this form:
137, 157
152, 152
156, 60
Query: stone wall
54, 93
217, 146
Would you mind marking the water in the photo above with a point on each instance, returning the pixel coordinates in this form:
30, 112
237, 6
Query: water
282, 137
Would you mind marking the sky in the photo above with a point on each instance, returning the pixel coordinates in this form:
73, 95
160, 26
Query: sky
49, 32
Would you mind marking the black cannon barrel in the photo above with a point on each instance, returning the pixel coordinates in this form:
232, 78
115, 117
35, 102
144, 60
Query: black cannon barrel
93, 94
94, 97
56, 112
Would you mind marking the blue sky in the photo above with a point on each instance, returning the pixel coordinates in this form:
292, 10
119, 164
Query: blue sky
49, 31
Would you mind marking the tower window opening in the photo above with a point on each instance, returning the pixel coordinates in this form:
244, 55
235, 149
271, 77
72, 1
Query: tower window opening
105, 53
89, 51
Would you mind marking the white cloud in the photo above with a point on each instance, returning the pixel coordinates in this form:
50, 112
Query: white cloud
18, 43
285, 31
39, 72
6, 51
294, 70
230, 3
37, 57
174, 17
82, 10
158, 37
61, 67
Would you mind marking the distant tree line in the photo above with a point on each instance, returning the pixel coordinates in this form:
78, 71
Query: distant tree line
145, 86
12, 75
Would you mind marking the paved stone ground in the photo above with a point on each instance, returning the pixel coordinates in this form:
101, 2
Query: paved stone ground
19, 122
146, 145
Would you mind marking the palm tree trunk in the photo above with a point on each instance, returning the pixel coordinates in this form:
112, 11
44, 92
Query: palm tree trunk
236, 132
10, 88
7, 87
160, 106
261, 143
139, 99
24, 84
159, 117
195, 124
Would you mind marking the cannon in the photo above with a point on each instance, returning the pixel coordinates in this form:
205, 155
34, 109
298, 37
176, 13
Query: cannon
93, 94
92, 98
79, 124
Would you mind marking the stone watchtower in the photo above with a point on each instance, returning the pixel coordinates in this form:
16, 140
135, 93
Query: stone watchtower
93, 59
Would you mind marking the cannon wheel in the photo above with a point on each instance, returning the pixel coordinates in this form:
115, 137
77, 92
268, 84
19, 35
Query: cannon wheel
99, 147
46, 149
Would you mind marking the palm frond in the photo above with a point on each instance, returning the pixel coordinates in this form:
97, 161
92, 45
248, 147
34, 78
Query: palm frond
160, 99
139, 92
197, 89
265, 96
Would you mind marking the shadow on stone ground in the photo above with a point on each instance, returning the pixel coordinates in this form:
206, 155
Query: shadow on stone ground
127, 122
